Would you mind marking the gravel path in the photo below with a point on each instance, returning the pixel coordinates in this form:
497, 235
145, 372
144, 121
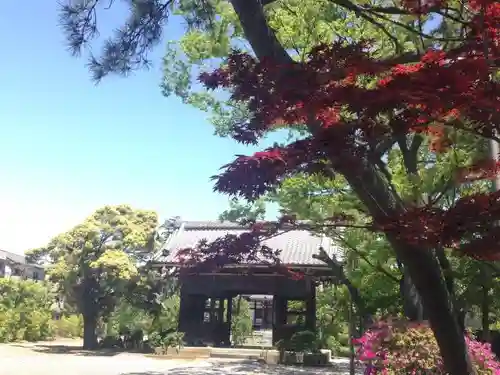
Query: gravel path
59, 359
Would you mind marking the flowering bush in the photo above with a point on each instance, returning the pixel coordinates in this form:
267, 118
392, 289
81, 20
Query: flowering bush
401, 348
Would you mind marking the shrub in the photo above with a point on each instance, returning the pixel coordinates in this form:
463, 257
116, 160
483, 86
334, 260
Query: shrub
69, 326
168, 318
38, 326
111, 342
25, 311
155, 340
169, 340
401, 348
173, 340
127, 319
302, 341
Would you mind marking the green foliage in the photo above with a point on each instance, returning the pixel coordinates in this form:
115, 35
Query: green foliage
299, 25
169, 340
168, 319
242, 210
331, 317
25, 311
300, 342
69, 326
155, 340
241, 324
94, 263
127, 319
173, 340
304, 341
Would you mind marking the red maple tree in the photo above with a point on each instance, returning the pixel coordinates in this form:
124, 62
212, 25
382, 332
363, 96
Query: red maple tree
442, 89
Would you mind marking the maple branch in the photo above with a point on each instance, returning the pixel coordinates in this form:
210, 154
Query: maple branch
342, 279
378, 12
384, 146
359, 12
392, 10
414, 31
447, 185
363, 256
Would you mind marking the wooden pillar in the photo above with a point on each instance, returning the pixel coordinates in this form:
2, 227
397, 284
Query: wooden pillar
311, 307
229, 318
226, 338
279, 309
212, 309
184, 307
229, 311
191, 316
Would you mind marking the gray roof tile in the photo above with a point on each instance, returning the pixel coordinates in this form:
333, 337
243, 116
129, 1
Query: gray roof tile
17, 258
297, 246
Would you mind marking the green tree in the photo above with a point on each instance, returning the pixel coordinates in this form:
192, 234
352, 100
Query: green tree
238, 210
241, 322
94, 262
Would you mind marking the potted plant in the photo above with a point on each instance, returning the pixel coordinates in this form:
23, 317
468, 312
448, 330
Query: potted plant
303, 342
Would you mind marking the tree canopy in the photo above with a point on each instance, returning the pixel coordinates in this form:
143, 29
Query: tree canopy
94, 262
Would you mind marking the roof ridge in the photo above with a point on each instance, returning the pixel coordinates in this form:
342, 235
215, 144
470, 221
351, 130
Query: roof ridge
211, 224
218, 224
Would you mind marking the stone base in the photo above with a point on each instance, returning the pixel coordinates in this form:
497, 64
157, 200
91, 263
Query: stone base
183, 353
270, 357
306, 359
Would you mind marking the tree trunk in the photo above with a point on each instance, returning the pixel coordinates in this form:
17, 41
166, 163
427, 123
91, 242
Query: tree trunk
422, 266
412, 303
89, 332
485, 304
485, 312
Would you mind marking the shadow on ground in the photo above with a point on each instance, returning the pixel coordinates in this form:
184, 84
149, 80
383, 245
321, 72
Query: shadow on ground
250, 367
72, 349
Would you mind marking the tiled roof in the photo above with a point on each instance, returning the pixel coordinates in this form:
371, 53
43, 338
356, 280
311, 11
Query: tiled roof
16, 258
297, 246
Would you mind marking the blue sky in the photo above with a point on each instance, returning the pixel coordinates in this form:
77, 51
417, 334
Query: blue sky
68, 147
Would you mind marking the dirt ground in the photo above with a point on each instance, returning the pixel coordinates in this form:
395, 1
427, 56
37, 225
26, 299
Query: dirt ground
66, 358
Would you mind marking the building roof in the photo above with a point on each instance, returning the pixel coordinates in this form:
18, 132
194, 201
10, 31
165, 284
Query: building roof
15, 258
297, 246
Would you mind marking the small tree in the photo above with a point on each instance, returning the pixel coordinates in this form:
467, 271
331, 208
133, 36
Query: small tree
94, 262
241, 323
